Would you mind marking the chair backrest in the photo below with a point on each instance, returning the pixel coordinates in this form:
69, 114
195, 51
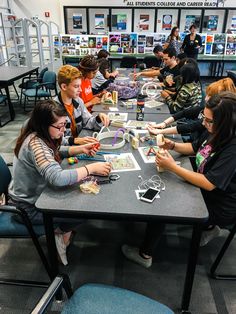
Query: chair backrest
41, 73
5, 177
151, 61
50, 77
232, 75
72, 61
128, 62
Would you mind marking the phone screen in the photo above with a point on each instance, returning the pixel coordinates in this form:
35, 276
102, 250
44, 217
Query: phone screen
150, 194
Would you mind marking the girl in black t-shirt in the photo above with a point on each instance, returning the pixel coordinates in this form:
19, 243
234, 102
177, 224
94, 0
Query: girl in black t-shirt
216, 173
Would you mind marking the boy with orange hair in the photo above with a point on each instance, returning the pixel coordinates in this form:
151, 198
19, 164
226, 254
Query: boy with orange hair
69, 80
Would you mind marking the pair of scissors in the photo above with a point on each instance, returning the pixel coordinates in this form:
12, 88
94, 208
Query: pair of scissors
114, 177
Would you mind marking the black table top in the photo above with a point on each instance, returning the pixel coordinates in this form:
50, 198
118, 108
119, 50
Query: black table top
13, 73
180, 201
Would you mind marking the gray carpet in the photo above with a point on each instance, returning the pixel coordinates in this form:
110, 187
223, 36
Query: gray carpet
95, 256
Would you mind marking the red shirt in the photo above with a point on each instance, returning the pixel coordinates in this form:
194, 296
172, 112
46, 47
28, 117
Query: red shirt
86, 90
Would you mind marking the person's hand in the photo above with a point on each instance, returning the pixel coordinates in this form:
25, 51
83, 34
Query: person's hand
95, 100
165, 160
114, 73
104, 118
169, 80
161, 125
136, 76
152, 130
85, 140
164, 94
168, 144
91, 148
99, 168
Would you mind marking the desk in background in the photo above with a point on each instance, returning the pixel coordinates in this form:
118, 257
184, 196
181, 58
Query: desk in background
10, 74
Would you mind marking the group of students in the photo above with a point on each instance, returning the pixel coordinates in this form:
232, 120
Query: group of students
52, 133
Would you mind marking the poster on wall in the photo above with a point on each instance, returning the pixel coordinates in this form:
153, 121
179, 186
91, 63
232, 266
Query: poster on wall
144, 22
167, 22
121, 23
99, 21
230, 45
212, 23
190, 20
218, 47
115, 43
209, 43
201, 50
77, 21
233, 23
92, 42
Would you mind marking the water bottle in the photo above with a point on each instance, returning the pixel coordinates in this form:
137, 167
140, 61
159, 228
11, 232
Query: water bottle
140, 108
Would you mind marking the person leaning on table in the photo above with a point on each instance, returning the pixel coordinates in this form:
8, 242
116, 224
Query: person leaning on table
215, 154
37, 162
193, 123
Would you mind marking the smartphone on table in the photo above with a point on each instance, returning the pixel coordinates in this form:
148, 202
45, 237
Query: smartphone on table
150, 195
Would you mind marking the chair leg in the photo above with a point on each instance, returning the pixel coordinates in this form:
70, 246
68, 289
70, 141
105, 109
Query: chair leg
36, 243
220, 256
16, 91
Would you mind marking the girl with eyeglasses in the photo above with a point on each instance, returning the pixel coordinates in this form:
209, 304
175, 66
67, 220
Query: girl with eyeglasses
215, 153
37, 162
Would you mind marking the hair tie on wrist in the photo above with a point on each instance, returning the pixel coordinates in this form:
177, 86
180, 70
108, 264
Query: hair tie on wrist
87, 171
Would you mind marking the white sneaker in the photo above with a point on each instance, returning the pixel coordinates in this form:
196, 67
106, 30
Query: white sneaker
132, 253
61, 248
209, 235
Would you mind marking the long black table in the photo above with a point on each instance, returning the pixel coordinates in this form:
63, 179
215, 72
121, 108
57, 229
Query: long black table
180, 203
10, 74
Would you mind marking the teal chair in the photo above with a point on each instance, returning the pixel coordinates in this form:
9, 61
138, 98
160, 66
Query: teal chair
101, 299
42, 90
31, 82
10, 228
3, 99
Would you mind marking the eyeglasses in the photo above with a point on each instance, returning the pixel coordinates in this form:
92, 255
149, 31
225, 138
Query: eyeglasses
60, 128
203, 117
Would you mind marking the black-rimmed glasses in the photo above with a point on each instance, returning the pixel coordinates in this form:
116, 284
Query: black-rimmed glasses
203, 117
60, 128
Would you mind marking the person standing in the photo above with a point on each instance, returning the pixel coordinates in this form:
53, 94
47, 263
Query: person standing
174, 41
192, 42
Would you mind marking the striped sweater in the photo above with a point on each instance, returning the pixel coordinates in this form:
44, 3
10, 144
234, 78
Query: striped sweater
34, 168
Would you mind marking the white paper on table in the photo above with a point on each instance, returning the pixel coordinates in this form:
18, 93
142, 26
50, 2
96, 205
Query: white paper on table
122, 162
113, 109
153, 103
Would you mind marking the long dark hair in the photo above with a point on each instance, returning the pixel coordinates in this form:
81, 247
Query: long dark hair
44, 114
189, 73
223, 107
172, 33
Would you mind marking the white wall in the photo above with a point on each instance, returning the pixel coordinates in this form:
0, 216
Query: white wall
30, 8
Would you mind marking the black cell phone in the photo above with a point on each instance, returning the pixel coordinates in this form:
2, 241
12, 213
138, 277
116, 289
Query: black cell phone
149, 195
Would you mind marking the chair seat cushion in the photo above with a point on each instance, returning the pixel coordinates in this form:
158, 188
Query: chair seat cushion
104, 299
32, 93
10, 227
2, 98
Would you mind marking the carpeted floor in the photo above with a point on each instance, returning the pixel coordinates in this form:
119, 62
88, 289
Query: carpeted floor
95, 256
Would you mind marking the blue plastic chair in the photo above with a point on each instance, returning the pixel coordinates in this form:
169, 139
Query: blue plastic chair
3, 99
31, 82
102, 299
10, 228
42, 90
